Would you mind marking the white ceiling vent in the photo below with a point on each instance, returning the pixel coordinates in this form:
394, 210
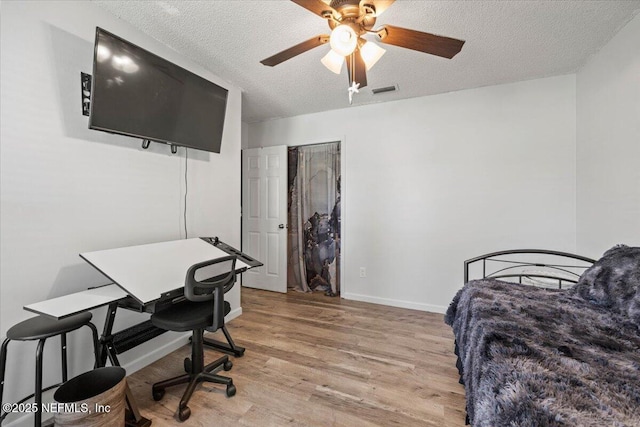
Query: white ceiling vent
379, 90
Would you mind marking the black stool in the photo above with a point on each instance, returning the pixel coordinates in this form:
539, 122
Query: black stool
40, 328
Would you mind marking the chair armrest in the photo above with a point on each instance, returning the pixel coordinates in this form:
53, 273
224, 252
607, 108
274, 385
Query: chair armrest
205, 290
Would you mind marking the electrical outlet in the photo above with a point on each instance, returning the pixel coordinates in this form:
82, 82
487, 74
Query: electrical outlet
363, 272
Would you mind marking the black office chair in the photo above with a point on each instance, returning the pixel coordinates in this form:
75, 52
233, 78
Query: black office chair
204, 308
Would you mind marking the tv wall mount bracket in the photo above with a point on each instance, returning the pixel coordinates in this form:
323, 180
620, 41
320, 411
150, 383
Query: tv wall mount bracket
147, 142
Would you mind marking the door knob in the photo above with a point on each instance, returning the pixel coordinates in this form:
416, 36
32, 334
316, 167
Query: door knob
281, 226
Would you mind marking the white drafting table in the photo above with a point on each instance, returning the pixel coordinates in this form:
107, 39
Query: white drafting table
145, 272
68, 305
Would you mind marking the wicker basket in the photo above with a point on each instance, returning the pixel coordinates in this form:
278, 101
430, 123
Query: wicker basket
93, 399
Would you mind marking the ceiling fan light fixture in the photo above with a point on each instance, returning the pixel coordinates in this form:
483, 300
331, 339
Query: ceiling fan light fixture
343, 40
333, 61
371, 53
350, 22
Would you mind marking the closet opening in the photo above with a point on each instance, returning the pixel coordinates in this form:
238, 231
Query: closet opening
314, 219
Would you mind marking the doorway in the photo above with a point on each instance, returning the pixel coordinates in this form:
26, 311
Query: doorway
292, 217
314, 218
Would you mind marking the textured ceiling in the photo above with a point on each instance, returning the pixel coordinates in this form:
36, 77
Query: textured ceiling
506, 41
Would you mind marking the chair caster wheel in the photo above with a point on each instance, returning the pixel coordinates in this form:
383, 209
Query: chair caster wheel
187, 365
157, 394
231, 390
184, 413
228, 365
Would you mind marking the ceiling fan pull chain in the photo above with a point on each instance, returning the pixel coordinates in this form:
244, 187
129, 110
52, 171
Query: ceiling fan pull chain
353, 88
352, 77
353, 70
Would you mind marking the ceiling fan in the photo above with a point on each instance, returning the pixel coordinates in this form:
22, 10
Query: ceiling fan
349, 21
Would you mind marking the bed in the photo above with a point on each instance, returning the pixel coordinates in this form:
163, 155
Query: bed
545, 342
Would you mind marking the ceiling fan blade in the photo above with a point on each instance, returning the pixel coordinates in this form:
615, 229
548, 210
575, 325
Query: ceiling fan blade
422, 42
318, 7
380, 5
359, 73
295, 50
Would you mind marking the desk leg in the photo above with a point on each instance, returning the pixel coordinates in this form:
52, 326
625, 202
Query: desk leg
106, 340
132, 413
230, 348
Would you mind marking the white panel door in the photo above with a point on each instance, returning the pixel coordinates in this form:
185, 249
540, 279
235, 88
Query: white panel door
264, 216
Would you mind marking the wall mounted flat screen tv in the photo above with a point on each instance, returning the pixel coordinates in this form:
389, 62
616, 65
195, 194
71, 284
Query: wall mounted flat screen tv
136, 93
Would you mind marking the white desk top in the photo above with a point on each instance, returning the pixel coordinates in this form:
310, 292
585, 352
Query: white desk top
147, 271
78, 302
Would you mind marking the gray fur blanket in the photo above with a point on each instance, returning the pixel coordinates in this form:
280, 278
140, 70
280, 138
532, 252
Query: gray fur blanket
539, 357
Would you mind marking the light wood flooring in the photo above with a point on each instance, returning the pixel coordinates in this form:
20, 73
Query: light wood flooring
313, 360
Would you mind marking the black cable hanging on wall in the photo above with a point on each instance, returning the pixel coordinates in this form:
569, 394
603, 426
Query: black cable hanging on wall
186, 189
85, 82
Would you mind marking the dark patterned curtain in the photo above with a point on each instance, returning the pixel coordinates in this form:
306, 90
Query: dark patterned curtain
314, 218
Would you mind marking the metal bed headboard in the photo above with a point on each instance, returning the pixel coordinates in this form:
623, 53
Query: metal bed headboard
564, 271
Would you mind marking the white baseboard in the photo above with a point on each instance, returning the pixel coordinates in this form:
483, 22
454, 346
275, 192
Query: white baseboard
396, 303
150, 357
233, 314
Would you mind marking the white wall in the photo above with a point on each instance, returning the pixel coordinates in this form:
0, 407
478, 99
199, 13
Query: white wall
432, 181
608, 145
245, 135
66, 189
